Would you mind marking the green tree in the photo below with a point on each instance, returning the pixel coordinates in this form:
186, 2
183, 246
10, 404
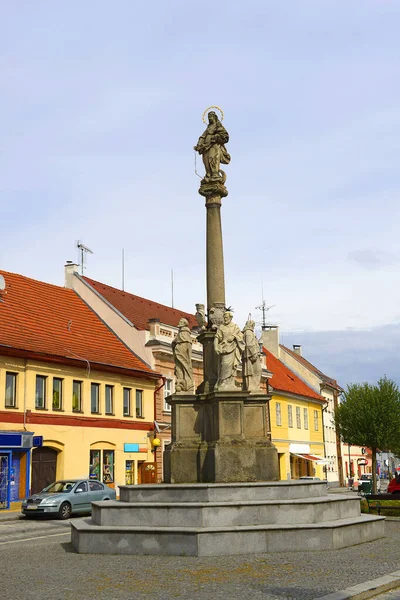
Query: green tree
369, 416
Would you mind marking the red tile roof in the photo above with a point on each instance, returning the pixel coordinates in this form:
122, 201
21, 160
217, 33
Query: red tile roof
53, 321
284, 380
328, 380
139, 310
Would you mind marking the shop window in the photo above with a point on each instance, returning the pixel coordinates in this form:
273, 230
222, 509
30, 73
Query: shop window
94, 467
109, 399
298, 417
11, 390
108, 466
315, 420
168, 391
40, 394
139, 403
94, 398
129, 472
278, 413
77, 396
127, 402
290, 415
57, 393
305, 418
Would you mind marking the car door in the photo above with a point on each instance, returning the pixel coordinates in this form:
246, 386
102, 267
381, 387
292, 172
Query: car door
96, 491
81, 502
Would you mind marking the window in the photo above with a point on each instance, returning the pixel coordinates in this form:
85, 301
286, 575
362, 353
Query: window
139, 403
94, 466
57, 393
40, 395
290, 415
298, 417
315, 420
108, 466
127, 402
94, 397
278, 413
109, 399
77, 396
95, 486
81, 487
168, 391
11, 390
305, 418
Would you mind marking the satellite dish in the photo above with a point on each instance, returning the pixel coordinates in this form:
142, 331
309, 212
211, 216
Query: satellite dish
2, 283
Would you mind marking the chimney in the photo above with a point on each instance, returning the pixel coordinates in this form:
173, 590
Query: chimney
297, 349
70, 269
270, 338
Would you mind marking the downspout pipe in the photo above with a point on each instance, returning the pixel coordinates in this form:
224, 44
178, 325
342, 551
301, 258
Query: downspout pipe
164, 381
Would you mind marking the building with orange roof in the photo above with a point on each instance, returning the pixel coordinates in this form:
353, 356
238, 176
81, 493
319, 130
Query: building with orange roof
70, 387
322, 384
296, 422
148, 328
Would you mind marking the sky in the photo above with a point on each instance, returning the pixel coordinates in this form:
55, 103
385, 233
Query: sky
101, 105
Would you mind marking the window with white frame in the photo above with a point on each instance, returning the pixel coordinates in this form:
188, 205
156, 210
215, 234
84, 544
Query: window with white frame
127, 402
315, 420
278, 413
168, 391
109, 391
298, 417
139, 403
290, 415
11, 390
40, 392
95, 398
305, 418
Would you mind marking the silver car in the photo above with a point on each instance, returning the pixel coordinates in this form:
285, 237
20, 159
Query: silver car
66, 497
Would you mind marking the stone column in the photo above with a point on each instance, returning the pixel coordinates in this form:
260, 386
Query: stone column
215, 254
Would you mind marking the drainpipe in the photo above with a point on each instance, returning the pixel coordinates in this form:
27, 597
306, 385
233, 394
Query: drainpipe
164, 381
26, 361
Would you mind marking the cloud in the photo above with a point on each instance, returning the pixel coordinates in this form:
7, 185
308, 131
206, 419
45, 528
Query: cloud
372, 258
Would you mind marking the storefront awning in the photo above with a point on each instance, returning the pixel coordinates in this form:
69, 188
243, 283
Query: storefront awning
320, 460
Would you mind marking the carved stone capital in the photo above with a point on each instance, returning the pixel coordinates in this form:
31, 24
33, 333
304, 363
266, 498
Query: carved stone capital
213, 191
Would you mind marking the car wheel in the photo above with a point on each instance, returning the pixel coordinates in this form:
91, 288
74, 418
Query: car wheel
64, 511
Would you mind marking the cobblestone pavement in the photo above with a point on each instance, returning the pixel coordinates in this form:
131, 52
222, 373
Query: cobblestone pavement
47, 568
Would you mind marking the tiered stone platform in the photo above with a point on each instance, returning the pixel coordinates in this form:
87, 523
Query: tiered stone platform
225, 519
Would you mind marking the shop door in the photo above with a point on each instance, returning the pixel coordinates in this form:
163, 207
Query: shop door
4, 481
147, 473
44, 463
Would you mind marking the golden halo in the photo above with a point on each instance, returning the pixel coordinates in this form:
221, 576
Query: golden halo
209, 108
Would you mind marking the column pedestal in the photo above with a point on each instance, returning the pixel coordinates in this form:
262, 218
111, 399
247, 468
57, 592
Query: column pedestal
220, 437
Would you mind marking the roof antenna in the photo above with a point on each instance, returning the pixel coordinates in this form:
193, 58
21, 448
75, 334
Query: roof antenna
172, 288
264, 309
123, 270
83, 250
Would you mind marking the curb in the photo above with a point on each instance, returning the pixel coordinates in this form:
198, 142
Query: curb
369, 589
10, 517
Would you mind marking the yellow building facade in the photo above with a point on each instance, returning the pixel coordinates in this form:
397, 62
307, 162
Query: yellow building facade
74, 400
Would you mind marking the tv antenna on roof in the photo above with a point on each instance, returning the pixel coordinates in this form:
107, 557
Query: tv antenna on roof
264, 309
83, 251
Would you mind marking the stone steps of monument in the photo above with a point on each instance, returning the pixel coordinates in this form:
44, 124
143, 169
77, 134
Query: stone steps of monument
221, 492
233, 513
89, 538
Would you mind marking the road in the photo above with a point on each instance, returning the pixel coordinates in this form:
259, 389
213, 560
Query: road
37, 562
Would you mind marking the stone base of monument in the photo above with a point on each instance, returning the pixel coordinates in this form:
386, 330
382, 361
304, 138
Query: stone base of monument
220, 437
225, 519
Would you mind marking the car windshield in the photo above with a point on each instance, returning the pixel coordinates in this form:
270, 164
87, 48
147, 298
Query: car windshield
59, 487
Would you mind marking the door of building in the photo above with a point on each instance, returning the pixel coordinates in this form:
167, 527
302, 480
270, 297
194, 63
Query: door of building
147, 473
44, 464
5, 480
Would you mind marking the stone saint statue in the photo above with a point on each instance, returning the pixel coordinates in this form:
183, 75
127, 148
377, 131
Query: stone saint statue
251, 365
211, 146
229, 346
182, 349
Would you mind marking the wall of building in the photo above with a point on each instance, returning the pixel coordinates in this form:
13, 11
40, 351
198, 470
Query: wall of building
75, 433
285, 438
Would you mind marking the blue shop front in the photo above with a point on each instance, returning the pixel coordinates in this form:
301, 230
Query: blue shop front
15, 463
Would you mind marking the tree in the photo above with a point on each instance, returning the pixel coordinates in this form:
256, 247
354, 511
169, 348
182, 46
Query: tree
369, 416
